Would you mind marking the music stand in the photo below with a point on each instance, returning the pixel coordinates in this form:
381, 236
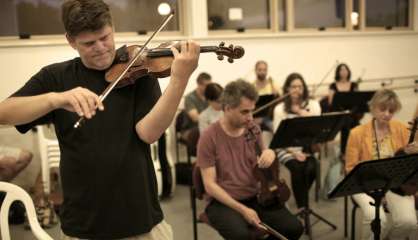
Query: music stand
375, 178
262, 101
356, 102
305, 131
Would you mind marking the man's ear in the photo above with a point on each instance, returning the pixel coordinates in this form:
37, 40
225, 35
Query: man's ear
70, 41
226, 108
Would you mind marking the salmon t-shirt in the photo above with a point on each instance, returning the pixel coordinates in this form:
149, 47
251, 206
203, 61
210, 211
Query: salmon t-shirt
234, 159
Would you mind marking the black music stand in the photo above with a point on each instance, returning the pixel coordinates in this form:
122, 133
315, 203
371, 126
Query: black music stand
375, 178
305, 131
356, 102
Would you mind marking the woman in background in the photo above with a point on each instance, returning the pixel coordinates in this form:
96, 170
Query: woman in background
298, 160
343, 84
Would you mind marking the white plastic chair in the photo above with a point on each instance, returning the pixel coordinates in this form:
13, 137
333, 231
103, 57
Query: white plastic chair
50, 156
15, 193
157, 167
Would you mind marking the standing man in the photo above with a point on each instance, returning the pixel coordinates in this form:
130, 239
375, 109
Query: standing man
227, 157
265, 86
262, 83
108, 178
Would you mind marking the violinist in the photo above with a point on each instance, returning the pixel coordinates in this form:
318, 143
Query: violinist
299, 161
343, 84
227, 158
108, 178
378, 139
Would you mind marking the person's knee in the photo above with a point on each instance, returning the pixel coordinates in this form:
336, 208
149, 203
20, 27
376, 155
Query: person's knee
368, 215
237, 233
407, 222
295, 230
25, 158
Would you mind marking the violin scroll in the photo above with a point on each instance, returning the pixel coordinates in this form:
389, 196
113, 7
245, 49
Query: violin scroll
231, 52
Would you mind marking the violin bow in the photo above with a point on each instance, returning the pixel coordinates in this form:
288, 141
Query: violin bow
112, 85
323, 78
277, 100
273, 232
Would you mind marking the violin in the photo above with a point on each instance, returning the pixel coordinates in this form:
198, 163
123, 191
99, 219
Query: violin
273, 190
136, 61
157, 61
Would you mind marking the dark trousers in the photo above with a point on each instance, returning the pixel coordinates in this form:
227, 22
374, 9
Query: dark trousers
302, 175
232, 225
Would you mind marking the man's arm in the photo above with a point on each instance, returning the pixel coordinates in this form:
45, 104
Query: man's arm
21, 110
150, 128
217, 192
194, 115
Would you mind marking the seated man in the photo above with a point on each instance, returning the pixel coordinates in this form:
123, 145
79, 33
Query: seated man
12, 162
195, 102
227, 159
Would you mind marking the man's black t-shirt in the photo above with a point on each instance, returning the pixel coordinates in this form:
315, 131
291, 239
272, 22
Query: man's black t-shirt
107, 172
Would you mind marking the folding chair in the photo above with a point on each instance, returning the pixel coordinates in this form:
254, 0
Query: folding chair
198, 191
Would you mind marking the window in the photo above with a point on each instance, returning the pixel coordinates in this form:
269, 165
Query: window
39, 17
319, 14
26, 17
387, 13
238, 14
141, 15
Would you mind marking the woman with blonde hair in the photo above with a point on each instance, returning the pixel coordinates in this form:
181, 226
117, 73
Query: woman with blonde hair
381, 138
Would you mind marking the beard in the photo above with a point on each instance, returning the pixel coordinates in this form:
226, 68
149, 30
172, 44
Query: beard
261, 76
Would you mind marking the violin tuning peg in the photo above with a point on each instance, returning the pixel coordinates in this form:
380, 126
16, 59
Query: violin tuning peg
220, 57
230, 60
221, 44
231, 46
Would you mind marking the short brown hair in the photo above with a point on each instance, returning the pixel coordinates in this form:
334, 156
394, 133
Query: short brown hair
260, 62
203, 77
213, 92
235, 90
85, 15
387, 98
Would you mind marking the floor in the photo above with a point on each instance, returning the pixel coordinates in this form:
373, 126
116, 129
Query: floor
177, 209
